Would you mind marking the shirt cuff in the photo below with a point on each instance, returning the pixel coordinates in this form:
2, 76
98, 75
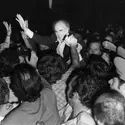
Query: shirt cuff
29, 33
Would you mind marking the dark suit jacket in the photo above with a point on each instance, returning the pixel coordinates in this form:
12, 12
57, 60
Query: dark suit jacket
51, 43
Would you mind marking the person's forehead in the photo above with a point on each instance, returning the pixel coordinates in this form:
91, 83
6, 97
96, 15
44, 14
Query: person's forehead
60, 26
95, 45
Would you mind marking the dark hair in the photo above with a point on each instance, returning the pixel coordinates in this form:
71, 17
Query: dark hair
63, 21
109, 35
97, 65
100, 69
26, 83
4, 91
25, 53
51, 66
109, 109
92, 39
8, 59
84, 84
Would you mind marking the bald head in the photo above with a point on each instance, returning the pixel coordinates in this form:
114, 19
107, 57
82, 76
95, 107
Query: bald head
61, 22
61, 28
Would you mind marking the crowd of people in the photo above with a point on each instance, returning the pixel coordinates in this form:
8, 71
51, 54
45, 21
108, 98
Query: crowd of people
67, 78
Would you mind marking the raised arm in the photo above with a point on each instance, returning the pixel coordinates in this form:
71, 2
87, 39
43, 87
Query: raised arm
26, 41
72, 41
45, 40
23, 24
119, 50
6, 43
110, 46
9, 32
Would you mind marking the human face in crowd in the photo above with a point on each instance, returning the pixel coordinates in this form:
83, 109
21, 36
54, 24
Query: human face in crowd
109, 38
95, 48
118, 85
61, 30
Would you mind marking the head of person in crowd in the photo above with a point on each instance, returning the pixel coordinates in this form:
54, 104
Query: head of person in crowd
118, 82
97, 35
51, 66
99, 67
94, 46
82, 88
109, 109
8, 59
26, 83
28, 56
61, 28
23, 54
109, 36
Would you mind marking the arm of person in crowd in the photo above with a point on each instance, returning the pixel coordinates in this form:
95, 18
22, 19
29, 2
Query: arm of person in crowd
6, 43
72, 41
110, 46
45, 40
75, 56
33, 59
119, 50
25, 38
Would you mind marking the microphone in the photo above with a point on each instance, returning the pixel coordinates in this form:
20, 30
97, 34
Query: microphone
67, 35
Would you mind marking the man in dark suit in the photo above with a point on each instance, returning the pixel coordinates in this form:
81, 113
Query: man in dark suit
63, 41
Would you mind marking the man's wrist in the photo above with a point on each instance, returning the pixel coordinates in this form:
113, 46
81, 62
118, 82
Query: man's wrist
28, 32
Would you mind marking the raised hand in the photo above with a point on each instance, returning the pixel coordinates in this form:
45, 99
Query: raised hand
26, 23
8, 28
4, 45
71, 40
21, 21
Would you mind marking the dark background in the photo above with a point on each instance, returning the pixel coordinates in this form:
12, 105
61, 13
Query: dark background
93, 14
